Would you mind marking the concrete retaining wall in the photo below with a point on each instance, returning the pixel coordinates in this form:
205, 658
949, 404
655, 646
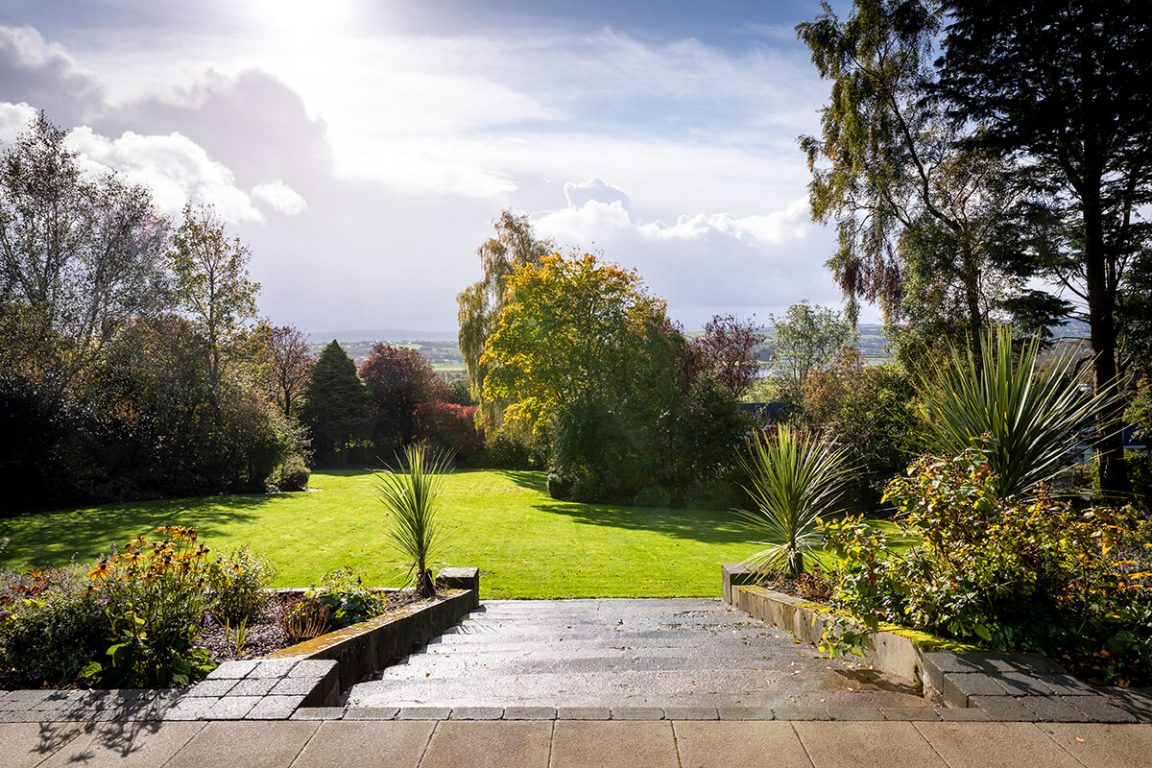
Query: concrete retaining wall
895, 651
369, 646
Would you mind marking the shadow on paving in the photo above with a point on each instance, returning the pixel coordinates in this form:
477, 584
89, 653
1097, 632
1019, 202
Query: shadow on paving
122, 739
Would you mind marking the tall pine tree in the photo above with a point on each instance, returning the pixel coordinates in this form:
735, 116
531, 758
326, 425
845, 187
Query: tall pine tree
336, 411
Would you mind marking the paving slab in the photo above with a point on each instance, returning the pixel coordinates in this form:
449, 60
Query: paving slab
377, 744
247, 744
867, 744
1105, 746
739, 745
637, 713
489, 745
613, 744
274, 708
691, 713
257, 686
126, 745
530, 713
1003, 708
371, 713
995, 745
232, 670
583, 713
905, 714
477, 713
24, 745
423, 713
1052, 709
232, 708
318, 713
1101, 710
745, 713
965, 715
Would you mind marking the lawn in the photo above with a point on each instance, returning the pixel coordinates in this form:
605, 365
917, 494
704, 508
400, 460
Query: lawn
526, 544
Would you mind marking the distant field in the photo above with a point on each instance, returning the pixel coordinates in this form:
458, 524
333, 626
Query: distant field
527, 544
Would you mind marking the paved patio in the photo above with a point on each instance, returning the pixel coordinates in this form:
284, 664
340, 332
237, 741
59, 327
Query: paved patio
575, 744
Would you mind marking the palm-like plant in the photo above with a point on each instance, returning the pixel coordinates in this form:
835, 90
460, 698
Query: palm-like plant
1024, 418
410, 495
795, 479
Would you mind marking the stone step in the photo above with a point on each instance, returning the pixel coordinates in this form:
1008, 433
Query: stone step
660, 652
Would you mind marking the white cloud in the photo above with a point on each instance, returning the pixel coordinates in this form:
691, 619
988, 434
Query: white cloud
791, 223
702, 263
595, 208
595, 189
280, 197
14, 120
174, 167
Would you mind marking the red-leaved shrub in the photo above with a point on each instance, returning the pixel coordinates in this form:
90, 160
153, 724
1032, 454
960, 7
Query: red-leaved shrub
449, 426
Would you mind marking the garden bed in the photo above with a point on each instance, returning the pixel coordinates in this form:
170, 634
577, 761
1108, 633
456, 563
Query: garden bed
266, 634
1006, 686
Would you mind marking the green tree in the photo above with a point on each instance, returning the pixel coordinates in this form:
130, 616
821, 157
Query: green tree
581, 355
1066, 88
807, 339
211, 284
514, 245
80, 256
336, 410
939, 233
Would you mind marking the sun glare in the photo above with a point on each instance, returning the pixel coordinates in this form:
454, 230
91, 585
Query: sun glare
292, 18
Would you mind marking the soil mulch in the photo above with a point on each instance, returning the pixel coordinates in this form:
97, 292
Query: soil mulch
267, 634
810, 586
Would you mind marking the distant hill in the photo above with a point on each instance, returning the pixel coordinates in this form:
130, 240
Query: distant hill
390, 335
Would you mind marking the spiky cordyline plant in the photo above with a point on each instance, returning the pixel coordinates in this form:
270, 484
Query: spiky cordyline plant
1025, 419
410, 495
795, 479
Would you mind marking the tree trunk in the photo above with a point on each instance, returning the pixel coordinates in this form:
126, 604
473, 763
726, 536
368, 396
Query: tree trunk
971, 279
1102, 321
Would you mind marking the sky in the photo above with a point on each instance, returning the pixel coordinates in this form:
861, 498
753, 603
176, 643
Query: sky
362, 149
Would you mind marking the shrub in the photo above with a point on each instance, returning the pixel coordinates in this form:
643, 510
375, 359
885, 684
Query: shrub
559, 487
293, 474
449, 427
154, 600
1030, 575
1024, 421
348, 601
652, 496
236, 586
51, 626
868, 410
795, 479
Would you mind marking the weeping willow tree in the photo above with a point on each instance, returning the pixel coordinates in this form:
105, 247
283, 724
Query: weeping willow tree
941, 235
514, 245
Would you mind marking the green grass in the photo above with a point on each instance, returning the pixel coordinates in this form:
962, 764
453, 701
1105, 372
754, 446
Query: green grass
526, 544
